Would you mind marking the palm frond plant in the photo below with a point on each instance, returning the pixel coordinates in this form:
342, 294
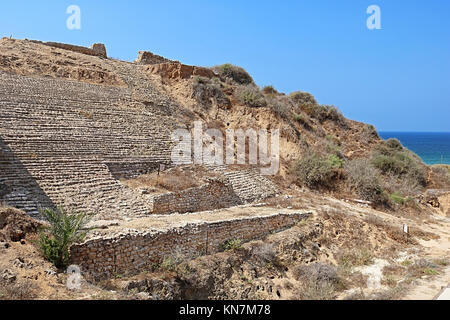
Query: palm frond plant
64, 229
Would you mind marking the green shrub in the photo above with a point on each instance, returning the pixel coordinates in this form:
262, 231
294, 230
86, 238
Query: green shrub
303, 98
398, 199
235, 73
231, 244
336, 162
316, 171
64, 230
251, 96
168, 264
392, 159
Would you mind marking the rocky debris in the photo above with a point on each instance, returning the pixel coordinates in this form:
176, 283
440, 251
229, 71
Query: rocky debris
34, 58
177, 71
4, 245
153, 288
146, 57
15, 225
102, 224
8, 276
22, 264
50, 272
431, 197
19, 263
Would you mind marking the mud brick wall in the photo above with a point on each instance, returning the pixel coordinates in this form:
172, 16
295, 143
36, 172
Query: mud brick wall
216, 194
101, 258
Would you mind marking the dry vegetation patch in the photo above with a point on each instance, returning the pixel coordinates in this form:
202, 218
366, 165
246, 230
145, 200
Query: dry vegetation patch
172, 180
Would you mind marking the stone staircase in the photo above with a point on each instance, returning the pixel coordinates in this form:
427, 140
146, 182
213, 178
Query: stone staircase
59, 138
67, 143
248, 184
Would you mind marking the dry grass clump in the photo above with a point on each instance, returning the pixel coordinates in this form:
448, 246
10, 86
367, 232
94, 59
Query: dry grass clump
173, 180
423, 267
319, 281
441, 175
264, 253
389, 294
20, 290
354, 258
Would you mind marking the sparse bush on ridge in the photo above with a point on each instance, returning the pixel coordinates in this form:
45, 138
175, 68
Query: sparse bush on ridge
237, 74
65, 229
392, 159
281, 105
205, 89
369, 131
269, 90
323, 113
303, 98
251, 96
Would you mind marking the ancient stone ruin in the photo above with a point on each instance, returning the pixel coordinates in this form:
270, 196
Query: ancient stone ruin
67, 143
146, 57
97, 49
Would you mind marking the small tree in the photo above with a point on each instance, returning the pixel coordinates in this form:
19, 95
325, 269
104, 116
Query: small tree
64, 230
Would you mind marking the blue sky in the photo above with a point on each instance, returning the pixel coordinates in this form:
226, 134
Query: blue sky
397, 78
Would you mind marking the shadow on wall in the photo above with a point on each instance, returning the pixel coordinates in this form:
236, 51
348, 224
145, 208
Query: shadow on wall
18, 188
